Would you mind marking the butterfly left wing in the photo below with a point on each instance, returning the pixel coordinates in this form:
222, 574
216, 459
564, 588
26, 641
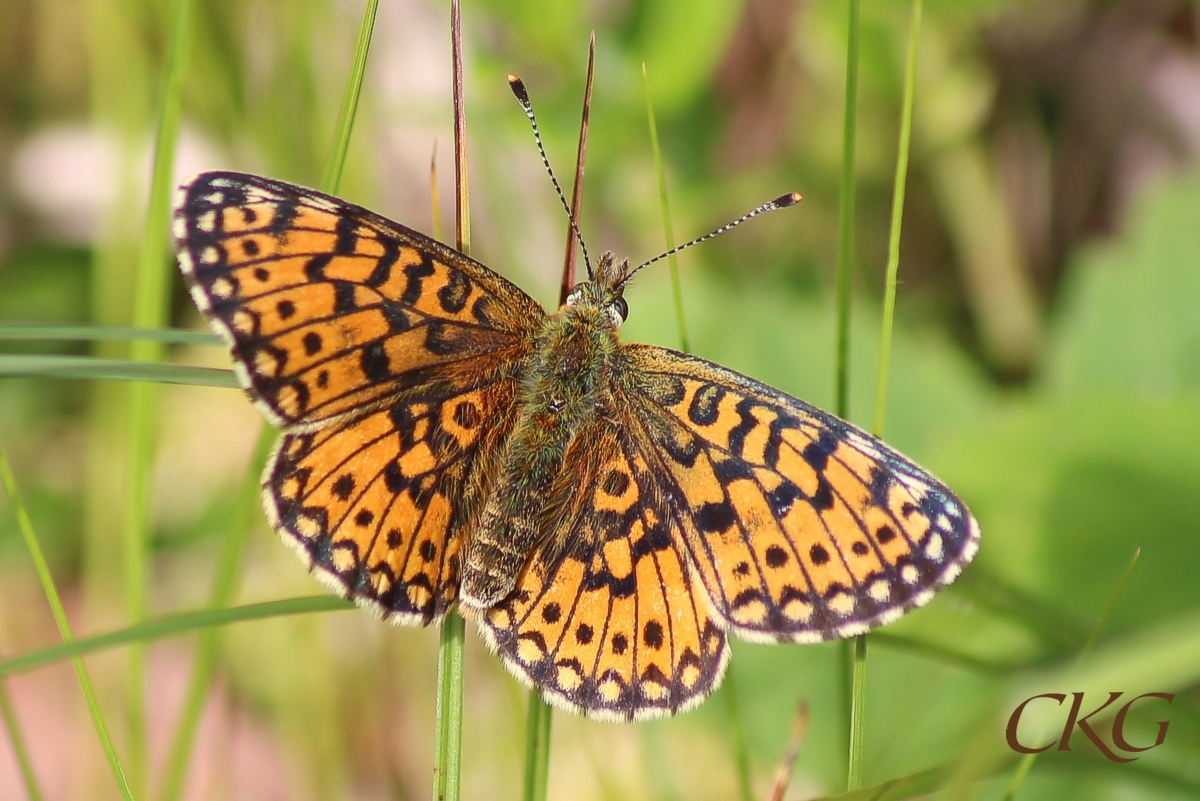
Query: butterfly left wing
377, 504
800, 526
329, 308
608, 619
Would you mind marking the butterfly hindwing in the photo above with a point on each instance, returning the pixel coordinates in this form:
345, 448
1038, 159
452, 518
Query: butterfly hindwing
801, 527
328, 307
377, 504
614, 625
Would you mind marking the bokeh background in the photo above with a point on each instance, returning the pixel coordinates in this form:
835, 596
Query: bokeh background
1046, 361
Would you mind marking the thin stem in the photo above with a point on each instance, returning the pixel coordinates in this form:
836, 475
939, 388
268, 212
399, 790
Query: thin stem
668, 230
204, 662
568, 277
741, 759
1026, 763
331, 178
172, 626
850, 657
20, 751
846, 220
783, 773
448, 724
434, 201
858, 692
898, 191
151, 306
537, 749
64, 626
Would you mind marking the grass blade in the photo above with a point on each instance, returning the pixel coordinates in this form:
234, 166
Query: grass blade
1026, 763
447, 768
537, 748
175, 625
20, 751
741, 759
83, 332
676, 289
898, 191
204, 662
853, 656
64, 626
151, 307
332, 176
448, 723
568, 275
55, 366
787, 765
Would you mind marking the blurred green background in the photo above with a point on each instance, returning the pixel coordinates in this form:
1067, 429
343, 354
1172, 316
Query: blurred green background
1046, 362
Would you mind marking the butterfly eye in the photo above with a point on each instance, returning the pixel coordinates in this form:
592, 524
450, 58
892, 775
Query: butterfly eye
618, 311
576, 294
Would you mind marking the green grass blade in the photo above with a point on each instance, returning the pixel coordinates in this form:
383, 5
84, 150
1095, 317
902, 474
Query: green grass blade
204, 662
668, 230
858, 693
850, 652
332, 176
911, 785
537, 749
1026, 763
846, 194
741, 759
20, 751
175, 625
447, 768
940, 653
448, 724
83, 332
64, 626
151, 308
90, 367
899, 185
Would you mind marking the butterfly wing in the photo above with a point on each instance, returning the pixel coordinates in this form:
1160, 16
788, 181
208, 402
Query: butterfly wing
800, 526
327, 307
376, 504
608, 619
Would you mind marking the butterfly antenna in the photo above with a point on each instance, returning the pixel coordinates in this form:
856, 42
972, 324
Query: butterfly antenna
518, 89
781, 202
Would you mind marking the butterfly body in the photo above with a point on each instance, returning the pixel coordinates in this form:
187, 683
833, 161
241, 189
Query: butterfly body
564, 390
606, 513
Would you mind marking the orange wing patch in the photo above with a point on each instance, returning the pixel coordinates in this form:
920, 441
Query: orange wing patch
617, 627
376, 506
329, 308
801, 526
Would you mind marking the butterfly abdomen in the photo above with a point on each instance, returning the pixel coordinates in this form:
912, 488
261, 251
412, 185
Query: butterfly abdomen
562, 391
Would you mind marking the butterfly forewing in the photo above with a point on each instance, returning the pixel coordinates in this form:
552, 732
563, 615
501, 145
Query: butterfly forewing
800, 526
329, 308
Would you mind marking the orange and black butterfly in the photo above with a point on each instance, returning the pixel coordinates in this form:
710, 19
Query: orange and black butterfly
606, 513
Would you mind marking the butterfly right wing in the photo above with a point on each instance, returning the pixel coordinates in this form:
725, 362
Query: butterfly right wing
609, 619
329, 308
376, 504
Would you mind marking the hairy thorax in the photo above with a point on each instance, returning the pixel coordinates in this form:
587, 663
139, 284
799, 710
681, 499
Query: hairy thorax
564, 395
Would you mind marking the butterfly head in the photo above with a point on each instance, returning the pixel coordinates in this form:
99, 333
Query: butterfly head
605, 291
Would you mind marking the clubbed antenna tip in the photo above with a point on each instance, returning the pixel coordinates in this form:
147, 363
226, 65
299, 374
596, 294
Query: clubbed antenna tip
783, 201
518, 89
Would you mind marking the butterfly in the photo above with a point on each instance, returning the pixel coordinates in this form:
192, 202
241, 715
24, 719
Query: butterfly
606, 513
